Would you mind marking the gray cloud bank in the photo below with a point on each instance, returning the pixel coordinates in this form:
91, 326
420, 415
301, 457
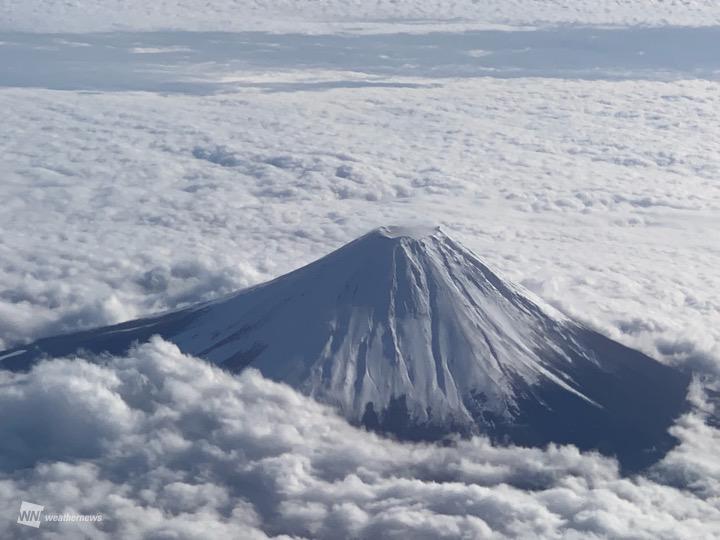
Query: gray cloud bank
168, 446
109, 15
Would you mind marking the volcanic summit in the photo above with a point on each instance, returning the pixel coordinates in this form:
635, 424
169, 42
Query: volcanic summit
406, 331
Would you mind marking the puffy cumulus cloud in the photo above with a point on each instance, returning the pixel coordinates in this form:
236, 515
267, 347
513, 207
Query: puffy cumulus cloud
67, 409
168, 446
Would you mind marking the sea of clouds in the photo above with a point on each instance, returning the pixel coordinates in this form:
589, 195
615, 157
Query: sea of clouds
145, 171
167, 446
343, 15
600, 196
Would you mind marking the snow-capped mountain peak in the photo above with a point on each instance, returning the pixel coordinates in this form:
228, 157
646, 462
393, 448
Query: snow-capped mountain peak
406, 331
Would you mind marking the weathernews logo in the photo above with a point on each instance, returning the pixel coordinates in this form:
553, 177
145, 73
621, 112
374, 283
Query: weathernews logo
31, 515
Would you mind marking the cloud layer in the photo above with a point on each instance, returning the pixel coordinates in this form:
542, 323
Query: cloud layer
328, 15
599, 196
167, 446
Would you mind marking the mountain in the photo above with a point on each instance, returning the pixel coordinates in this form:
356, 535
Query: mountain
407, 332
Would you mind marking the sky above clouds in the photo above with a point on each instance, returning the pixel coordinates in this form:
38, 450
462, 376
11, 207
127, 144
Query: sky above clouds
142, 172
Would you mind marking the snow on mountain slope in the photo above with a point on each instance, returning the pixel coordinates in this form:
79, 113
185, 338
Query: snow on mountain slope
407, 332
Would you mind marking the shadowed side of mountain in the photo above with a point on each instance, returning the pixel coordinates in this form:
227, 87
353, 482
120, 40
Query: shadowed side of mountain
641, 399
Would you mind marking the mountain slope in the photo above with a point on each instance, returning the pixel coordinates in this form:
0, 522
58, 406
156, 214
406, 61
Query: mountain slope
407, 332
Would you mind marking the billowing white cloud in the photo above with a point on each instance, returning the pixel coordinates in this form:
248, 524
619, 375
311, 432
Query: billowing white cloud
168, 446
